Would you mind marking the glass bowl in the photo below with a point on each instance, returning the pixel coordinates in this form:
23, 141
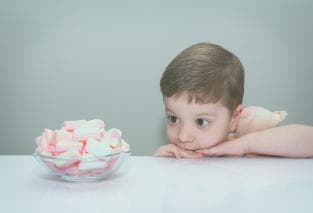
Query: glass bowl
82, 169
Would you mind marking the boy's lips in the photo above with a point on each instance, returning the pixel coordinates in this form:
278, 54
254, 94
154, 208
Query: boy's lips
186, 145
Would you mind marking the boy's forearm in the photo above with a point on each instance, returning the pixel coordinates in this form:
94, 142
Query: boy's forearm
287, 141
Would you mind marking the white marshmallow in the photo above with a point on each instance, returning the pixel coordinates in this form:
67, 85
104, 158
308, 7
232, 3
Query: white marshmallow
97, 148
83, 133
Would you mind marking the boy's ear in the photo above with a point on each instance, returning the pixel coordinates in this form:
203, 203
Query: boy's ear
236, 117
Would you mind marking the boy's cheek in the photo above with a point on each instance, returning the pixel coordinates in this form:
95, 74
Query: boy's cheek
171, 136
207, 143
170, 139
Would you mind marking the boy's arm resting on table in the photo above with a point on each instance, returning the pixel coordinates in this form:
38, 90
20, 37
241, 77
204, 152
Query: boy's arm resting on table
286, 141
171, 150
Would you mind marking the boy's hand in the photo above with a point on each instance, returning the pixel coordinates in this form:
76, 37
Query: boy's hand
171, 150
236, 147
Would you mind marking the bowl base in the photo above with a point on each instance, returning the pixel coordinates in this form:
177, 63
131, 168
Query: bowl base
82, 179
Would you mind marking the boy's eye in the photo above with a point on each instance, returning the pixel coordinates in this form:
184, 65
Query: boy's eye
202, 122
172, 119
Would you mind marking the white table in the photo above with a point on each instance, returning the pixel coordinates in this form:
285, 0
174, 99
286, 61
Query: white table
148, 184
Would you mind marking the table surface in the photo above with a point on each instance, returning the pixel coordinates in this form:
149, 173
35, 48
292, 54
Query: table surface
150, 184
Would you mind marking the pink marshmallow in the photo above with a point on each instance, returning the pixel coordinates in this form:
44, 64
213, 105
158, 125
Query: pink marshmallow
114, 137
63, 146
63, 135
115, 133
46, 140
72, 125
67, 158
50, 136
70, 165
125, 146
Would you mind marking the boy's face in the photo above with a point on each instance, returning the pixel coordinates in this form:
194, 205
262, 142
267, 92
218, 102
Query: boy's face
197, 126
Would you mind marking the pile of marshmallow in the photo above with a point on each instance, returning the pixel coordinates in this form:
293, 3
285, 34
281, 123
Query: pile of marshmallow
81, 147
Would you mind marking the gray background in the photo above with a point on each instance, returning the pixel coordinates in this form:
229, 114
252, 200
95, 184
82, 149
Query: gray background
67, 60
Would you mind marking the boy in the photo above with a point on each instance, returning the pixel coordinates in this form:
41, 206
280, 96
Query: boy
202, 90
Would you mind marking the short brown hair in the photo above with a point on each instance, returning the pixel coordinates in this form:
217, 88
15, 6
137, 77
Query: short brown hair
208, 73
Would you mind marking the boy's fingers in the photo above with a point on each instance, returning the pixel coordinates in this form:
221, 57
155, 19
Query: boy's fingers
163, 154
167, 151
190, 154
171, 150
185, 146
176, 153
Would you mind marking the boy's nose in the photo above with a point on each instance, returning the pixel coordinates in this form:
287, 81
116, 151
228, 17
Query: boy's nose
185, 135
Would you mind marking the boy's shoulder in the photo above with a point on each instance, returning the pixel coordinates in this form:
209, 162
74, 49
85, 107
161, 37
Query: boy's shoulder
255, 118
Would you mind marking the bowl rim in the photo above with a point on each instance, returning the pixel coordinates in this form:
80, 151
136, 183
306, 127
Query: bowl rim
38, 154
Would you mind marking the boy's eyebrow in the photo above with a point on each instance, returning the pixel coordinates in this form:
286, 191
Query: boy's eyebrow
206, 114
212, 114
168, 110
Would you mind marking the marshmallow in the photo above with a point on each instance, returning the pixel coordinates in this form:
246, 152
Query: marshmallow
125, 146
46, 140
63, 146
89, 161
69, 154
63, 135
97, 148
72, 125
64, 159
82, 134
114, 137
92, 165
